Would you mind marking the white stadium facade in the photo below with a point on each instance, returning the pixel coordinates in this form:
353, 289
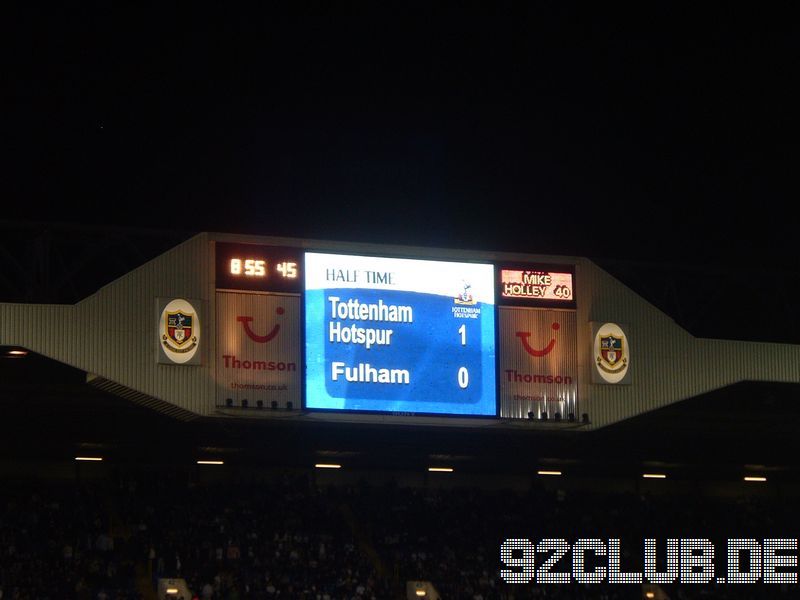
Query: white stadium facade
298, 351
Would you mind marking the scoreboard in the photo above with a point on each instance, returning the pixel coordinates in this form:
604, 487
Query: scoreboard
399, 335
387, 334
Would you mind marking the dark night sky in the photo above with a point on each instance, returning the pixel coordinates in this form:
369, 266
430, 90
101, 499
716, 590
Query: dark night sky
666, 134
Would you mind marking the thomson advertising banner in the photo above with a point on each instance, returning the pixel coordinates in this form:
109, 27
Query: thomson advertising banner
538, 362
258, 349
399, 335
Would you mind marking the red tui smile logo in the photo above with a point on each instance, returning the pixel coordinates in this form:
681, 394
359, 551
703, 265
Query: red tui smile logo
261, 339
524, 335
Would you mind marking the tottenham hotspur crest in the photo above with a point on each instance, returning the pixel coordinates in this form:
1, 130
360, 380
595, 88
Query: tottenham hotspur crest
179, 331
611, 353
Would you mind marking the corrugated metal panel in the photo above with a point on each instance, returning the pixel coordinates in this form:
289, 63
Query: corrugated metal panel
659, 349
530, 382
161, 406
127, 309
667, 363
113, 334
36, 326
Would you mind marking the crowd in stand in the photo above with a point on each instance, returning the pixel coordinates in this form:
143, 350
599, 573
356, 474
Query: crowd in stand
288, 538
55, 544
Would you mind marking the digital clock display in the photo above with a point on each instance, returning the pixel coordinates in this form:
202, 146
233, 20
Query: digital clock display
258, 268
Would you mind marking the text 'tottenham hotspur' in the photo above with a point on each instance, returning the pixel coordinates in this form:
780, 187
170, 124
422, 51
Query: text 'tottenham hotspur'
354, 310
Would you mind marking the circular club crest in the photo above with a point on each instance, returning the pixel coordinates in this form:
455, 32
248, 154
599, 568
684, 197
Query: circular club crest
611, 352
179, 331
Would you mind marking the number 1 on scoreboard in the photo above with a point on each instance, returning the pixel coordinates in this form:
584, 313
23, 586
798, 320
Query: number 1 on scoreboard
463, 374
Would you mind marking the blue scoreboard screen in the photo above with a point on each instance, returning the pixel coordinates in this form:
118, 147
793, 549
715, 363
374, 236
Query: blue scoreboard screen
399, 335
